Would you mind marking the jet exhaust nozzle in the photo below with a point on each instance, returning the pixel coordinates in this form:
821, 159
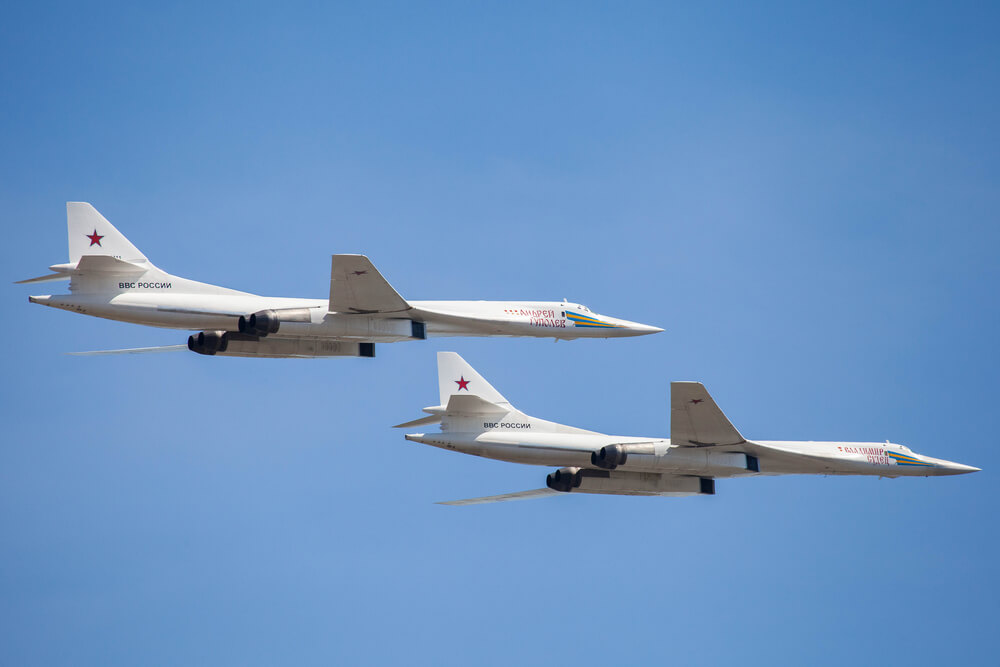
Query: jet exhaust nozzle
260, 323
208, 342
564, 479
609, 457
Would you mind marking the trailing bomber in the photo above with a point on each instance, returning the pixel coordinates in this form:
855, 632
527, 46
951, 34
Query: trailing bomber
703, 446
110, 278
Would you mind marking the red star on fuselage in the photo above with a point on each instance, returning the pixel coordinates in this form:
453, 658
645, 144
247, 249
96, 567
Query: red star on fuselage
95, 238
696, 401
462, 384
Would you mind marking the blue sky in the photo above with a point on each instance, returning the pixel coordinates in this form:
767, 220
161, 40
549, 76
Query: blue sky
804, 197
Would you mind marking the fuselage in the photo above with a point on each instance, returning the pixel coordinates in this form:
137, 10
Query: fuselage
657, 455
157, 306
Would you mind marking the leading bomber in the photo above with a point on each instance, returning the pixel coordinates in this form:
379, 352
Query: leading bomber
703, 445
111, 278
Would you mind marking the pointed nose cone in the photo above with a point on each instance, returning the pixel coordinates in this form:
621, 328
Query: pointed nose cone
942, 467
626, 328
643, 329
961, 469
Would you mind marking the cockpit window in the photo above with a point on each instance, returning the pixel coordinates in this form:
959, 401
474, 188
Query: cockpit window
583, 307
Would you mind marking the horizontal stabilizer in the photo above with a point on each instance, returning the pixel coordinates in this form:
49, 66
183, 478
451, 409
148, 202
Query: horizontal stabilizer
88, 265
131, 350
470, 404
520, 495
107, 264
460, 405
430, 419
356, 286
695, 419
44, 279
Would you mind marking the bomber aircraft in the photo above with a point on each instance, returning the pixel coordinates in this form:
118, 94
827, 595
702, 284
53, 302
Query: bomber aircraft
110, 278
703, 446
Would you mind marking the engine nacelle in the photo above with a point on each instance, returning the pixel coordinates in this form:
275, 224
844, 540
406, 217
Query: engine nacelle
564, 479
609, 457
260, 323
209, 342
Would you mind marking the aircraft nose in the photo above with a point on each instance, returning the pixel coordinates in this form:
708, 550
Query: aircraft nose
643, 329
637, 329
950, 467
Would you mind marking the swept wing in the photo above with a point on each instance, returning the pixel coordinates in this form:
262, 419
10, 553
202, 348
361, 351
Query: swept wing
356, 286
695, 419
503, 497
575, 480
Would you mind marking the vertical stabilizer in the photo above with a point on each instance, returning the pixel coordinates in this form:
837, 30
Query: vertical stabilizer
457, 377
102, 260
91, 234
470, 404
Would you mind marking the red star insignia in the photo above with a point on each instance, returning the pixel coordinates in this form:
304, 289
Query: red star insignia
359, 273
696, 401
462, 384
95, 238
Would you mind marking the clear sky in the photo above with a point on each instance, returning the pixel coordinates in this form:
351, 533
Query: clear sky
804, 196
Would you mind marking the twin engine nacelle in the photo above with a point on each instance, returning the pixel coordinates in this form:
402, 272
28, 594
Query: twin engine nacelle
564, 479
209, 342
260, 323
609, 457
265, 322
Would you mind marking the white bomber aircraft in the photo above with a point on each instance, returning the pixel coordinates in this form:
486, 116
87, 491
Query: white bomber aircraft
703, 446
110, 278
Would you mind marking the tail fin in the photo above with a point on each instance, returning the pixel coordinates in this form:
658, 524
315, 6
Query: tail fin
457, 377
91, 234
470, 404
462, 392
102, 260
